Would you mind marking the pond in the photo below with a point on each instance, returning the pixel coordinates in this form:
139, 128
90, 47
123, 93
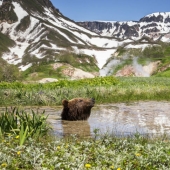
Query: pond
123, 119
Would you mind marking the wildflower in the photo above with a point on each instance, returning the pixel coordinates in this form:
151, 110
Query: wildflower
112, 167
138, 154
17, 137
4, 164
19, 152
87, 165
58, 147
118, 168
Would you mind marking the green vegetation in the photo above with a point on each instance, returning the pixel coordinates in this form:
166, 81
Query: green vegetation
103, 89
5, 43
8, 73
34, 5
43, 68
23, 124
37, 72
107, 152
159, 52
8, 13
24, 24
76, 60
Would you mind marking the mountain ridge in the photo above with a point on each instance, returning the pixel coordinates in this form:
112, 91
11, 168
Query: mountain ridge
150, 25
35, 31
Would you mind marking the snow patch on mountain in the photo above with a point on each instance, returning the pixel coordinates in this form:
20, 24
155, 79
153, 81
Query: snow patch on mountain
19, 11
100, 55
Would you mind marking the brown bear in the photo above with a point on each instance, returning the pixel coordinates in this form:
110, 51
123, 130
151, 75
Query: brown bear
77, 109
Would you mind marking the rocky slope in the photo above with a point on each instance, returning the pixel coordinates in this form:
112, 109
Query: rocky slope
155, 26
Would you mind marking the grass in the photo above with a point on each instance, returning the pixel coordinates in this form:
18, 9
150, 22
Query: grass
23, 124
103, 89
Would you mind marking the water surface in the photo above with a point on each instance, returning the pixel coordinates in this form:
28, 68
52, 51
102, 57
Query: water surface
123, 119
119, 118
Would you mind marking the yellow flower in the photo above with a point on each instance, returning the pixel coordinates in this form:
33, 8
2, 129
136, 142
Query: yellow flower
118, 168
17, 137
112, 167
4, 164
19, 152
138, 154
58, 147
87, 165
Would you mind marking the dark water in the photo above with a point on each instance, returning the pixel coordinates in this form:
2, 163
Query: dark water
120, 119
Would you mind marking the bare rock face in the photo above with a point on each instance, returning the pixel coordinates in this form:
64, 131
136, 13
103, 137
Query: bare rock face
7, 13
149, 24
153, 18
47, 80
96, 26
73, 73
126, 71
138, 70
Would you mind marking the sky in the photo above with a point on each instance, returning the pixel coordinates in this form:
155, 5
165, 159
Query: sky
110, 10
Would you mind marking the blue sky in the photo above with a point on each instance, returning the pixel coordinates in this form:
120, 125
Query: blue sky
110, 10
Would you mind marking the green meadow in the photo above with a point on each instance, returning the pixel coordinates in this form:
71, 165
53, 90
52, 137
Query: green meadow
103, 89
26, 141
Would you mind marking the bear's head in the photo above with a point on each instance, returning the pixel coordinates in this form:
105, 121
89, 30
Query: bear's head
77, 109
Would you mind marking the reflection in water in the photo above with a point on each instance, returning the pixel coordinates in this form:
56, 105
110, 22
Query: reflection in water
143, 117
79, 128
120, 119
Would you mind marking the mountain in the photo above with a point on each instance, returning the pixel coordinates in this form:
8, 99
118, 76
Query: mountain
35, 31
155, 26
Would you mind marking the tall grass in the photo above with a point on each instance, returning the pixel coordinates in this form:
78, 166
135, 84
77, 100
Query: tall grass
104, 90
23, 124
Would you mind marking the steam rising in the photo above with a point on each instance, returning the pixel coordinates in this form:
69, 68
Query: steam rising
109, 68
135, 69
139, 69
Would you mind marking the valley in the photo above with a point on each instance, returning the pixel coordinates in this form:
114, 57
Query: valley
38, 34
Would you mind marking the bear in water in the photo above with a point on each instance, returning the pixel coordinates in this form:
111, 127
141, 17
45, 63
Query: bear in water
77, 109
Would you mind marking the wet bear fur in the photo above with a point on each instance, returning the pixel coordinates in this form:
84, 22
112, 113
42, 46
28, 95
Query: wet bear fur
77, 109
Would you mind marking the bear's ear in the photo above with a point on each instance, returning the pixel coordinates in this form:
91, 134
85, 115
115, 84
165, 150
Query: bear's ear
65, 103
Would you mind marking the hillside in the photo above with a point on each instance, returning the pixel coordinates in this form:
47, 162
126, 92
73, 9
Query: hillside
35, 35
40, 30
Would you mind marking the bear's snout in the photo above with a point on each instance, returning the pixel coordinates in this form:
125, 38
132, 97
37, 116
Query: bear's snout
93, 101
